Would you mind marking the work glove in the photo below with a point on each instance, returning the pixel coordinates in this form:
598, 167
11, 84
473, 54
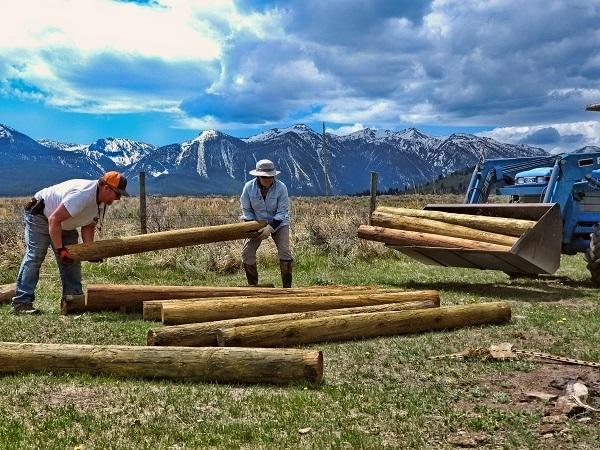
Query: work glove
265, 232
64, 256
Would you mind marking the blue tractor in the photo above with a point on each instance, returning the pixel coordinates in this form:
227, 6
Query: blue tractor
561, 193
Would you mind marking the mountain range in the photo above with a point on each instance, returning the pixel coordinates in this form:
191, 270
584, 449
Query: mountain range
217, 163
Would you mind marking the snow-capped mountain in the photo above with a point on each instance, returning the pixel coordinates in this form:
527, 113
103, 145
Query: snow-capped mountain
106, 154
215, 162
28, 166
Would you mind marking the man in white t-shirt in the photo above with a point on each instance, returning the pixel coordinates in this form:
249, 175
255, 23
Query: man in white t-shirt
51, 219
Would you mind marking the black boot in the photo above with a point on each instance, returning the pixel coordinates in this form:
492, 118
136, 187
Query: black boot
286, 273
251, 274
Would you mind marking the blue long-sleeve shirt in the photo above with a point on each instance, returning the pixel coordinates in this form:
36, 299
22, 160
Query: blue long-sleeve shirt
273, 208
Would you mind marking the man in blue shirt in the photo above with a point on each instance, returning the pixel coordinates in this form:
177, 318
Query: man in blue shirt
266, 198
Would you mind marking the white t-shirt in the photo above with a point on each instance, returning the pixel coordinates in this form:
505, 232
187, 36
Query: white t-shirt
78, 196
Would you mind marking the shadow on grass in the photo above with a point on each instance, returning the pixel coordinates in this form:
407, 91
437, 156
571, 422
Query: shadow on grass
525, 292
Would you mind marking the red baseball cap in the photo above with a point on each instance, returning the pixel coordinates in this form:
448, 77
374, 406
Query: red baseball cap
116, 181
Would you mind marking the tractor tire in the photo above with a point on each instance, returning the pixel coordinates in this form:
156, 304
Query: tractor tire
592, 257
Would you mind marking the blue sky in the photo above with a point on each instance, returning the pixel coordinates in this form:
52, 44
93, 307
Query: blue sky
160, 71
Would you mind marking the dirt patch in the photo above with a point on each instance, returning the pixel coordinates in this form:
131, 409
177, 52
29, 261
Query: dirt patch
528, 390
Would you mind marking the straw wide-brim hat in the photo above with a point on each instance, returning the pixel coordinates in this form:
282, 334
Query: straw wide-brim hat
264, 168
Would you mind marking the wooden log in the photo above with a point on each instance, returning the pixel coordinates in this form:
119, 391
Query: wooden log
502, 225
358, 326
130, 297
404, 238
380, 219
7, 292
164, 239
205, 334
177, 313
152, 309
235, 365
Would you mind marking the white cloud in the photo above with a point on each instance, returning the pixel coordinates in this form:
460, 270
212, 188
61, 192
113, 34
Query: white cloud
342, 131
566, 137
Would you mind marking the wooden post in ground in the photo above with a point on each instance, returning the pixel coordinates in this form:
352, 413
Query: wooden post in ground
176, 313
143, 220
373, 202
7, 292
232, 365
165, 239
205, 334
359, 326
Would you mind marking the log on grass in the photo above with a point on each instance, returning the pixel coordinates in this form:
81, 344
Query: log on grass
7, 292
205, 334
380, 219
165, 239
177, 313
152, 309
404, 238
130, 297
502, 225
232, 365
359, 326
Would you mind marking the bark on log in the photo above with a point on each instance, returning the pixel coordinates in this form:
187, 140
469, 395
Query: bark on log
152, 310
232, 365
205, 334
380, 219
7, 292
177, 313
502, 225
165, 239
404, 238
358, 326
130, 297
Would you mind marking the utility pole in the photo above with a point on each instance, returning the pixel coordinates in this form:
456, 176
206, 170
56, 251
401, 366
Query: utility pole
325, 164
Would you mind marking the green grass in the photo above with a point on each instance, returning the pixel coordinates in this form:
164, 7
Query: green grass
377, 393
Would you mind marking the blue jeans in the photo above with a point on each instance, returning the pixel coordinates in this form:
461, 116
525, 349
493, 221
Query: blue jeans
37, 241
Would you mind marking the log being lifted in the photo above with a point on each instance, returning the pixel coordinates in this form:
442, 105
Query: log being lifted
205, 334
152, 309
359, 326
404, 238
502, 225
408, 223
7, 292
130, 297
164, 239
177, 313
234, 365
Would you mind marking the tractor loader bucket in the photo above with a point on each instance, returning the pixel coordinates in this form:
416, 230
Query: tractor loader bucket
536, 251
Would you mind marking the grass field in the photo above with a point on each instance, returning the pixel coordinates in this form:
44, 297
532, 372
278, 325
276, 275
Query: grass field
377, 393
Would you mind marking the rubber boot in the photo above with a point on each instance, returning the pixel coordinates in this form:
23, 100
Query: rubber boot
251, 274
286, 273
72, 303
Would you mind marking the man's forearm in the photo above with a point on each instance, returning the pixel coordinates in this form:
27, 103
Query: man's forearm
88, 232
55, 231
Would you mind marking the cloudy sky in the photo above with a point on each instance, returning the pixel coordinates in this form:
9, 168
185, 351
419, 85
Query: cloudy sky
160, 71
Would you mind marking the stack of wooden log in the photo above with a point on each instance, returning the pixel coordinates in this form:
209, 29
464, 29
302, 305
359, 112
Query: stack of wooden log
315, 315
405, 227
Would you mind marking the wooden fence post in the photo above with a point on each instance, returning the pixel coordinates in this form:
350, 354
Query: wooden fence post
143, 224
373, 204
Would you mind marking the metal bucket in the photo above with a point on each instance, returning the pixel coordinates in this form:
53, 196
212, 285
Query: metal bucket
536, 251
